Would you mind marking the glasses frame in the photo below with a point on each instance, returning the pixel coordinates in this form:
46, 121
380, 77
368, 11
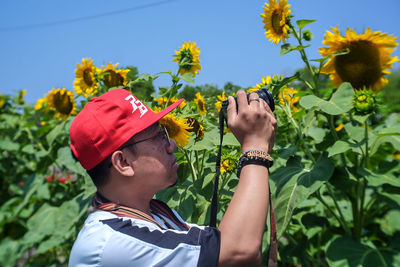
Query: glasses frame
163, 132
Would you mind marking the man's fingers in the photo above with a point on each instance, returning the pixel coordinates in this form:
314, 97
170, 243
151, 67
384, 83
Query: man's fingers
241, 99
231, 110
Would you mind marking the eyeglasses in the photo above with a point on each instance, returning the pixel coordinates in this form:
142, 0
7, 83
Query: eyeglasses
162, 134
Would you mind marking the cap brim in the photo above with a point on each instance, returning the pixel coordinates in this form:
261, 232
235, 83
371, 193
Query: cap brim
157, 116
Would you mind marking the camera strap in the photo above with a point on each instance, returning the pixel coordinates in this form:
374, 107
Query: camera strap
273, 247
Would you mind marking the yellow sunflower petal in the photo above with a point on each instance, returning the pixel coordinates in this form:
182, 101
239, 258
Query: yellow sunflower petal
201, 105
366, 63
188, 58
177, 129
85, 81
276, 20
62, 102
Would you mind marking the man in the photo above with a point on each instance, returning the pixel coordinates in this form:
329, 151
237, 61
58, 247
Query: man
130, 158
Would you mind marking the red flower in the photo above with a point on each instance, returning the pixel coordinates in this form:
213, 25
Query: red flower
62, 180
49, 178
21, 183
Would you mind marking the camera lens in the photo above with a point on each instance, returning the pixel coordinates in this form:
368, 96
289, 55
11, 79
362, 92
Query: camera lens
263, 93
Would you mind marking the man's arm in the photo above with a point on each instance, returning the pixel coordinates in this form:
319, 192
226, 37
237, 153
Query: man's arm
243, 224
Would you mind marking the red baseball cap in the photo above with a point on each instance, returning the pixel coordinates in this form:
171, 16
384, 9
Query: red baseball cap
109, 121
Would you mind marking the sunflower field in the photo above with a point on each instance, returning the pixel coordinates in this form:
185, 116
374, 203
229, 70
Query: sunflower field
335, 180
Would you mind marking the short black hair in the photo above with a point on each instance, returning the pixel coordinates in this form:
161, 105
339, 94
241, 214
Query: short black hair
99, 173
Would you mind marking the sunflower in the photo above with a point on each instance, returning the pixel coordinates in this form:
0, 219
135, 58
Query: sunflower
196, 127
264, 82
113, 77
287, 96
85, 78
221, 98
20, 98
228, 163
201, 105
366, 63
276, 20
62, 102
364, 101
2, 101
188, 58
40, 103
177, 129
162, 101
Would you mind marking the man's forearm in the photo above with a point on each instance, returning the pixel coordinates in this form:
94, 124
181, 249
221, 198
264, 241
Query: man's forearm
243, 224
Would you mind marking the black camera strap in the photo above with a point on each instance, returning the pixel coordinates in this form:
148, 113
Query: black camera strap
273, 248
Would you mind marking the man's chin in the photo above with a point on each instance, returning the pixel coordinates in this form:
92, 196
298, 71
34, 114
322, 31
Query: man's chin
172, 185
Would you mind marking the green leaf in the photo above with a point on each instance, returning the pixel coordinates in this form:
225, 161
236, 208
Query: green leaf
275, 87
294, 183
338, 53
40, 225
391, 222
188, 77
208, 179
303, 22
9, 252
345, 251
7, 145
29, 149
361, 118
53, 134
286, 48
356, 133
341, 146
287, 151
378, 179
316, 133
388, 135
64, 157
65, 219
340, 102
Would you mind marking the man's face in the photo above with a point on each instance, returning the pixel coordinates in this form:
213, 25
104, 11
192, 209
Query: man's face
154, 161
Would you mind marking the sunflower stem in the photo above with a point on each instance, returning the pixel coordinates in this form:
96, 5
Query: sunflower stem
202, 163
366, 160
194, 175
305, 58
361, 188
197, 162
330, 210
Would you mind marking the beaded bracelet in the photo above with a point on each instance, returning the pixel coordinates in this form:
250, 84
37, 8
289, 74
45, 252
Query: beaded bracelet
254, 156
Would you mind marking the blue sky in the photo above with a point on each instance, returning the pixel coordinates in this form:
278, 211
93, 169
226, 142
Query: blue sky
230, 36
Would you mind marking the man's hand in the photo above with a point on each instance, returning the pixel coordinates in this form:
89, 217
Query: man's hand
252, 123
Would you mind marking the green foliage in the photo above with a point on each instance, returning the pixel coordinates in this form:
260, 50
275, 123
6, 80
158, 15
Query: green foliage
335, 181
390, 94
142, 87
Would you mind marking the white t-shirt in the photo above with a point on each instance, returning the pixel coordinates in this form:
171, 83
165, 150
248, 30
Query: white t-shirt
107, 239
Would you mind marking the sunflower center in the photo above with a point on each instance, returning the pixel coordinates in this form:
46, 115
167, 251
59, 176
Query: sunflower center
87, 77
113, 79
63, 103
276, 22
186, 59
362, 66
202, 106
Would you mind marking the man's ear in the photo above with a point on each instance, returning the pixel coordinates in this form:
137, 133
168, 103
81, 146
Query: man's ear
121, 163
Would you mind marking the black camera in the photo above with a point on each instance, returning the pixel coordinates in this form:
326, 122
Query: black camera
263, 93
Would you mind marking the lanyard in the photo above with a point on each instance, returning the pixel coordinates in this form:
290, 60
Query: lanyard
156, 206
